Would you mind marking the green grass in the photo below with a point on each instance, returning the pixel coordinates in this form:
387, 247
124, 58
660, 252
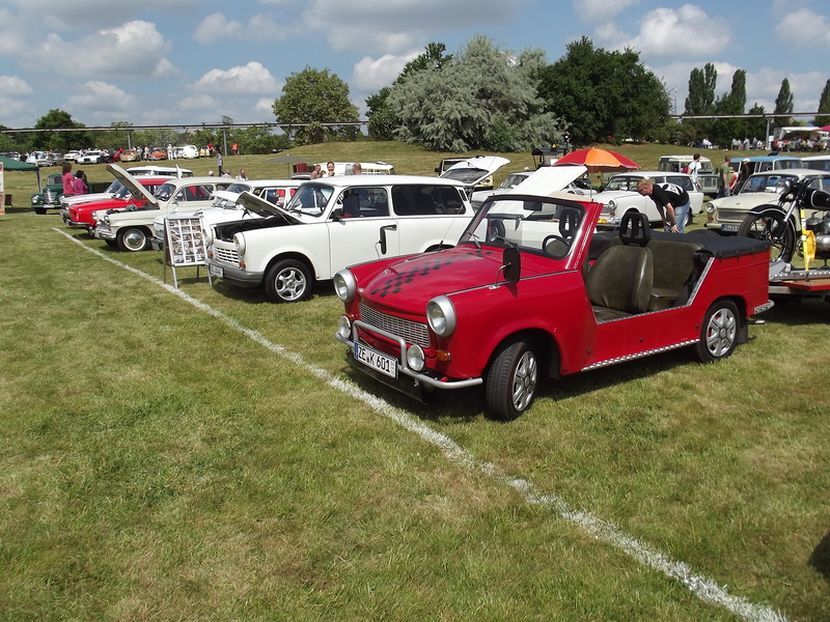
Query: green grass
155, 464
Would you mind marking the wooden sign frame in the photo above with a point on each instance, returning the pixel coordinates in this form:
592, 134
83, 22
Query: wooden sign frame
184, 245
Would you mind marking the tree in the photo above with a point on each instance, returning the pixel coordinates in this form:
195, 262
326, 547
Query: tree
757, 128
701, 97
314, 97
61, 141
483, 98
603, 95
824, 106
734, 102
784, 104
382, 121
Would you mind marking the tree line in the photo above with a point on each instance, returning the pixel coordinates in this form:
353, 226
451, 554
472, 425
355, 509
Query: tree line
481, 98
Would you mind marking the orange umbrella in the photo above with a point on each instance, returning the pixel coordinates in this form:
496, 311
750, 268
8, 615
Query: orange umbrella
597, 160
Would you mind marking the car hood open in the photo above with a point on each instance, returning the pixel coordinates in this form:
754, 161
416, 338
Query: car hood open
263, 208
472, 170
130, 182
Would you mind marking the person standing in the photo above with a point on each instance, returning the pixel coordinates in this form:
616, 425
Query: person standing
725, 181
80, 184
68, 179
242, 176
357, 169
329, 169
694, 169
672, 202
219, 163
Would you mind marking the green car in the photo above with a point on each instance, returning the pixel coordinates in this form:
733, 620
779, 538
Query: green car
50, 195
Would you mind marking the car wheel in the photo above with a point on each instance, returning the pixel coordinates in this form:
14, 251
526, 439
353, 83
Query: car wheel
133, 240
511, 381
111, 243
769, 224
39, 210
719, 332
288, 280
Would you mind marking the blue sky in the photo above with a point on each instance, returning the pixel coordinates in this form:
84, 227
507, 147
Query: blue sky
187, 61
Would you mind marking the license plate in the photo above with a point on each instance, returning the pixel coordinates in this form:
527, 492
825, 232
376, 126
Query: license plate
729, 227
217, 271
377, 361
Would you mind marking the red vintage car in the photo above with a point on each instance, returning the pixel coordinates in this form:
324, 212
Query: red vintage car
80, 214
533, 291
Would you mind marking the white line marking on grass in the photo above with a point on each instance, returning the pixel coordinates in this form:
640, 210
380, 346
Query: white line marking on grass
703, 587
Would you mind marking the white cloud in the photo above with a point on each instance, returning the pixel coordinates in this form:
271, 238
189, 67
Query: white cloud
370, 74
99, 95
135, 48
16, 111
681, 32
803, 28
198, 102
14, 86
397, 25
252, 78
610, 35
85, 14
217, 27
264, 104
600, 10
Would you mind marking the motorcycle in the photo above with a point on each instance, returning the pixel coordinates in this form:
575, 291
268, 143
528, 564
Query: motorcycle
787, 227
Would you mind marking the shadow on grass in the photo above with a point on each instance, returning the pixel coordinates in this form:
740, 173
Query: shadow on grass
469, 404
820, 559
256, 295
798, 311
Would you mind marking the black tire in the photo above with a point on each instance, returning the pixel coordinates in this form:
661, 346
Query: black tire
39, 210
133, 239
768, 224
111, 243
511, 381
719, 332
288, 280
690, 219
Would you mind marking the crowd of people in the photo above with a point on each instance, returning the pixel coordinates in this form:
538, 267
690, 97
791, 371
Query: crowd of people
317, 172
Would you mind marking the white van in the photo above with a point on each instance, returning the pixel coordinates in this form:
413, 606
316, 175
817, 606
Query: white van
707, 177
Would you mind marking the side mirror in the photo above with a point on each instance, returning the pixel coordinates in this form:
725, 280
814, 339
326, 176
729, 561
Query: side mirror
337, 213
512, 264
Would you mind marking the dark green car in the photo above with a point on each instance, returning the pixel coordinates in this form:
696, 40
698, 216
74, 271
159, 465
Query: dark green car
49, 197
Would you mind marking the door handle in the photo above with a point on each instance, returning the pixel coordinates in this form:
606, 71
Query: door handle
382, 240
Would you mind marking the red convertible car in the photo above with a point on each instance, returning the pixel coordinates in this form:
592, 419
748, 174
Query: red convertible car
533, 291
80, 214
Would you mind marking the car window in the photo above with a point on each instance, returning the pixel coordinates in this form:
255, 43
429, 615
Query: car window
165, 192
513, 180
364, 202
193, 193
767, 183
820, 183
623, 182
425, 199
311, 199
682, 181
820, 165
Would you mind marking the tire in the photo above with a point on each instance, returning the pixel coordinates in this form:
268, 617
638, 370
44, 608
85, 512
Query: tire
288, 280
39, 210
690, 219
511, 381
768, 224
133, 240
719, 332
111, 243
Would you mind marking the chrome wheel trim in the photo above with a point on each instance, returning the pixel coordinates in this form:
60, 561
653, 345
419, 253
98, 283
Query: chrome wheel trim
290, 283
135, 239
524, 381
721, 332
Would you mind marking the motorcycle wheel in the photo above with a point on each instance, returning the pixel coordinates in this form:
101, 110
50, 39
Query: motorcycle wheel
769, 224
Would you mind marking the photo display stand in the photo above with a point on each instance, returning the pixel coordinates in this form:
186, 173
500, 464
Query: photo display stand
184, 246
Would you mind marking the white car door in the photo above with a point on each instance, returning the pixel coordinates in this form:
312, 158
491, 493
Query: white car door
361, 228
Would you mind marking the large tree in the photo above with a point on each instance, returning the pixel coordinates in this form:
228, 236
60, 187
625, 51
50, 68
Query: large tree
382, 120
62, 141
604, 95
701, 98
733, 102
784, 104
483, 98
824, 106
314, 97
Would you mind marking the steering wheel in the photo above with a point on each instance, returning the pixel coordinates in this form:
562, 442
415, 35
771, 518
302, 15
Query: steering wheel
555, 246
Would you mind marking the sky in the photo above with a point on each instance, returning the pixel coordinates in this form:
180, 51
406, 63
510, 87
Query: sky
193, 61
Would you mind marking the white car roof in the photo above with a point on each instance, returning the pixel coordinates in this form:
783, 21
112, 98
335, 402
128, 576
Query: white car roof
382, 180
798, 172
645, 174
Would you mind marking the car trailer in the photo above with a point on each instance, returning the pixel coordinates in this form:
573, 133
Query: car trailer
786, 282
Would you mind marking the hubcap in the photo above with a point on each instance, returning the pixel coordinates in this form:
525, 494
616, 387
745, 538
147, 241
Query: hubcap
720, 333
290, 284
134, 239
524, 381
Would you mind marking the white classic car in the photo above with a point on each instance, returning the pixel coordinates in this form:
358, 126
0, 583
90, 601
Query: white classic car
131, 230
92, 156
620, 196
727, 213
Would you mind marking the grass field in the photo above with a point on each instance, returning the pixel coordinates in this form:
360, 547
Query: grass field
157, 463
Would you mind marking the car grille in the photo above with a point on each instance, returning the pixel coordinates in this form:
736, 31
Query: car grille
102, 227
50, 196
228, 255
412, 332
732, 215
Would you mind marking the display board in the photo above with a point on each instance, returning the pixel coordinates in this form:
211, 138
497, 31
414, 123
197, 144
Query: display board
184, 244
2, 193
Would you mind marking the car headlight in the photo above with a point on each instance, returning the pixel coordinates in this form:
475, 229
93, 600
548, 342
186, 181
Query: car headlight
37, 199
709, 207
415, 357
239, 242
612, 207
208, 235
345, 285
441, 316
344, 327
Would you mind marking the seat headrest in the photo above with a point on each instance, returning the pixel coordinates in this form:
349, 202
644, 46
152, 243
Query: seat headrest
568, 222
634, 229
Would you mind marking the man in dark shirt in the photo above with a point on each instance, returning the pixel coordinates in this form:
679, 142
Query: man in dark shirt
672, 202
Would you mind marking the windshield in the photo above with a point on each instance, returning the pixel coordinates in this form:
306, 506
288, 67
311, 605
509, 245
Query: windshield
535, 224
238, 188
465, 175
310, 199
115, 187
623, 183
513, 180
165, 192
767, 183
